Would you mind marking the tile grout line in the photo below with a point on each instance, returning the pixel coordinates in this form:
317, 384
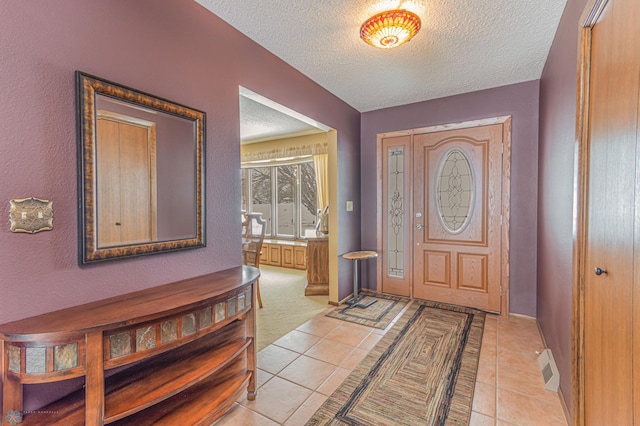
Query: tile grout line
312, 390
315, 393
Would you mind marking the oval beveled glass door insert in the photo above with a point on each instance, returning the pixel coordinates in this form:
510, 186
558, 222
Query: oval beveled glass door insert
454, 191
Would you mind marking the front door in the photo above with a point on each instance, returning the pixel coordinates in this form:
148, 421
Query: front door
457, 223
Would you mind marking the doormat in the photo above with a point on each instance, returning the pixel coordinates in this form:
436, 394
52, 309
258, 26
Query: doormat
378, 315
422, 372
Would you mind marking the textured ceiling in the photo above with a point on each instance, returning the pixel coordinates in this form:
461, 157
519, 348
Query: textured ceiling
263, 120
463, 46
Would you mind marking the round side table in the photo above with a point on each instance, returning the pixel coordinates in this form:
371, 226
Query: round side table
356, 256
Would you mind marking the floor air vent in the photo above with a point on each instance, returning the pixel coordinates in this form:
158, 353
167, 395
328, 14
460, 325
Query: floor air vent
549, 370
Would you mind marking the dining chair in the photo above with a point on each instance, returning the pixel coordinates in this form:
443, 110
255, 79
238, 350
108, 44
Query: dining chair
253, 229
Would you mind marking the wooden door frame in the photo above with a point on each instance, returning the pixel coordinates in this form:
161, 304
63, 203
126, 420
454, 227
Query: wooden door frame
588, 19
505, 206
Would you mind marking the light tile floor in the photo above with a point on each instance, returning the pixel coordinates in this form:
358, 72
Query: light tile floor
298, 372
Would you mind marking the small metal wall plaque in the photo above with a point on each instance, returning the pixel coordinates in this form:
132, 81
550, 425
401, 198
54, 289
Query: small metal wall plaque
31, 215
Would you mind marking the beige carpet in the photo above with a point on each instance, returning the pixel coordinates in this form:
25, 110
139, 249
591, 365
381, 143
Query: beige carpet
285, 307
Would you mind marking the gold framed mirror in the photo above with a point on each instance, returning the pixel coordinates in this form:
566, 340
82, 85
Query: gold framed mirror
141, 169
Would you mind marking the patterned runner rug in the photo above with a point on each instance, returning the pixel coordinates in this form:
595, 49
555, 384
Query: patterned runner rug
422, 372
378, 315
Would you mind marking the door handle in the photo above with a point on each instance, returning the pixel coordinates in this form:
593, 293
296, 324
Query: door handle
600, 271
418, 226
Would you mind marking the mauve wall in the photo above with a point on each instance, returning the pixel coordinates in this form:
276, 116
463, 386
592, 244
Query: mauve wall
173, 49
555, 187
518, 100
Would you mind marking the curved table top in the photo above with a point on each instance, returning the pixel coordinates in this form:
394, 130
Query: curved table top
130, 308
360, 255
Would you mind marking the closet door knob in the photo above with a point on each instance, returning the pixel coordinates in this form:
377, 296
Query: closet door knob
600, 271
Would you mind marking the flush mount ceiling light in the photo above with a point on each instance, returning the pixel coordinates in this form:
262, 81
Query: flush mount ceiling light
390, 29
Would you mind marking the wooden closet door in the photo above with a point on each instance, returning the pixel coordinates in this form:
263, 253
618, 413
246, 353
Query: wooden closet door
611, 284
108, 183
135, 195
125, 176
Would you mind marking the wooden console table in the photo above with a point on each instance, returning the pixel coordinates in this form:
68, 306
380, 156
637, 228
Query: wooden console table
186, 353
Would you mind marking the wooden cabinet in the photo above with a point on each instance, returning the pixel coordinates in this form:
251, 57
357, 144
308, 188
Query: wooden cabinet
264, 255
300, 257
275, 252
185, 353
317, 266
286, 254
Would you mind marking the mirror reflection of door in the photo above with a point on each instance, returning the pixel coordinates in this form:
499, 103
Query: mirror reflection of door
126, 180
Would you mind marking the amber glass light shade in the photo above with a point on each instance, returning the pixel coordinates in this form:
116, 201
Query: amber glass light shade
390, 29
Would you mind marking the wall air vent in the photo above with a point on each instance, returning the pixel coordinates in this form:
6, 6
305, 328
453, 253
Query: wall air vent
549, 370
